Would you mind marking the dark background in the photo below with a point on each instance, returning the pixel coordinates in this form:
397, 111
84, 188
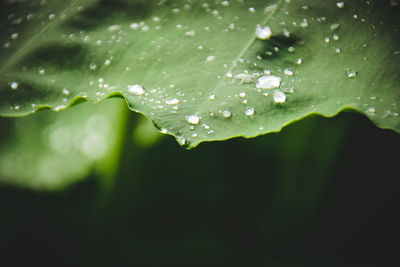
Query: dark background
323, 192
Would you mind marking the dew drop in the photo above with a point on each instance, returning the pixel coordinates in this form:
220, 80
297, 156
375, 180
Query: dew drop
279, 96
172, 101
193, 119
226, 114
42, 71
14, 85
340, 4
191, 33
299, 61
114, 28
249, 111
134, 26
210, 58
243, 77
242, 94
136, 89
14, 36
52, 17
92, 66
211, 97
225, 3
107, 62
335, 37
304, 23
66, 92
288, 72
252, 10
181, 140
351, 73
370, 111
268, 82
263, 32
335, 26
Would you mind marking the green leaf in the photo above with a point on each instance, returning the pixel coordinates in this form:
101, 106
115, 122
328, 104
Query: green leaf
198, 62
48, 150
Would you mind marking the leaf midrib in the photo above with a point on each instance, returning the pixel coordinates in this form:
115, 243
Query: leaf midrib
246, 47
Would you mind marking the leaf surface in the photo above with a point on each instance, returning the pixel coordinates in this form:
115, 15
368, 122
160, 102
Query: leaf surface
198, 62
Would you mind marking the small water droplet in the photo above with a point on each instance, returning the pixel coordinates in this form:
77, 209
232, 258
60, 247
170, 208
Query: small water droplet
279, 96
288, 72
335, 26
225, 3
243, 77
92, 66
172, 101
181, 140
14, 85
327, 40
299, 61
249, 111
340, 4
66, 92
114, 28
211, 97
252, 10
351, 73
226, 114
242, 94
193, 119
14, 36
136, 90
134, 26
52, 17
268, 82
335, 37
210, 58
263, 32
107, 62
191, 33
304, 23
42, 71
370, 111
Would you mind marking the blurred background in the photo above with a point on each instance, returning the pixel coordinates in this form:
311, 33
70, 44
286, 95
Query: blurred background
96, 185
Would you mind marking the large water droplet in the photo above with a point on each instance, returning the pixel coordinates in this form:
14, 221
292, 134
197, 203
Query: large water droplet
268, 82
249, 111
136, 89
263, 32
172, 101
114, 28
226, 114
279, 96
193, 119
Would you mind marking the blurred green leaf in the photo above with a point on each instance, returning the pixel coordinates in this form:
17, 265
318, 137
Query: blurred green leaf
51, 150
192, 66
